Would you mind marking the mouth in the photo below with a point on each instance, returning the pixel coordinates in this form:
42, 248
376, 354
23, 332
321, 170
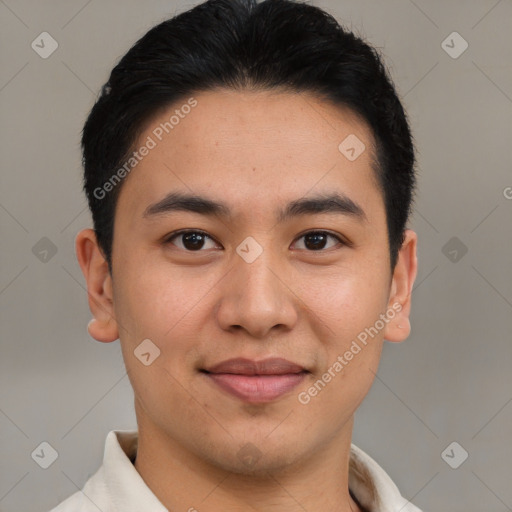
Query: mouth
256, 381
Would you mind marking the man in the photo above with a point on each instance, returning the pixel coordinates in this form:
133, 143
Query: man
249, 169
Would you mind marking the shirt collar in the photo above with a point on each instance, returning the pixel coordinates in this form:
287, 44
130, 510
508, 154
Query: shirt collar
373, 487
368, 482
128, 491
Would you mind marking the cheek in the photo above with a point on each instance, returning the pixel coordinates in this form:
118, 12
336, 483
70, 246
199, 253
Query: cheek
350, 349
346, 300
159, 306
169, 308
151, 299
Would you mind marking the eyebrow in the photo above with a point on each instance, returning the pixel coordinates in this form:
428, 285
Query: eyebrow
317, 204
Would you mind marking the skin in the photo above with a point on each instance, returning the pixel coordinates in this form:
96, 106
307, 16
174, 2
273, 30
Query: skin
254, 151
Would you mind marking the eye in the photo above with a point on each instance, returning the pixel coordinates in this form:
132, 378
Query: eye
316, 240
190, 240
195, 240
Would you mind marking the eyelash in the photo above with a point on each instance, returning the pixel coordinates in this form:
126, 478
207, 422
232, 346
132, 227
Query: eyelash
176, 234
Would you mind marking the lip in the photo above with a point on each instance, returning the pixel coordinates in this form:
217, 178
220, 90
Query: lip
270, 366
256, 381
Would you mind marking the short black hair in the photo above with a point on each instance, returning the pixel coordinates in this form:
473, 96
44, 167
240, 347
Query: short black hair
243, 44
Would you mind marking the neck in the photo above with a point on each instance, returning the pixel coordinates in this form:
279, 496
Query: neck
182, 480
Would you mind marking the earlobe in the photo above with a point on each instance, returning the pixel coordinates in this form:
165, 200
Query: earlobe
103, 326
105, 331
404, 275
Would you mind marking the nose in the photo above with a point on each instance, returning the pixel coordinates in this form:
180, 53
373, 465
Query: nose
256, 297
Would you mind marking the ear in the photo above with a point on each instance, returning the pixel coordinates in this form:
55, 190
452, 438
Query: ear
103, 326
403, 278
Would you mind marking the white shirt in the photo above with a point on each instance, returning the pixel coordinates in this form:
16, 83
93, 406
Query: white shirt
117, 486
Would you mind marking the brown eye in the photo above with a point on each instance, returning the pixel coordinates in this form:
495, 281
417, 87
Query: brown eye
195, 241
190, 240
317, 240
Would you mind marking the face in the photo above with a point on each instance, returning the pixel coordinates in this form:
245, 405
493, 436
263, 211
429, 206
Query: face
270, 272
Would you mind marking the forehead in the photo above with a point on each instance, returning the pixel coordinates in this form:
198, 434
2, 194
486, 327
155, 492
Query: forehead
254, 148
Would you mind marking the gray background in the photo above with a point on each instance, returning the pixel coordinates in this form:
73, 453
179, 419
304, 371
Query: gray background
450, 381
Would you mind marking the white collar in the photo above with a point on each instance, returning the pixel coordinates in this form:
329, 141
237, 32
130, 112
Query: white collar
118, 485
